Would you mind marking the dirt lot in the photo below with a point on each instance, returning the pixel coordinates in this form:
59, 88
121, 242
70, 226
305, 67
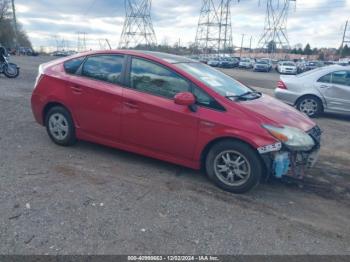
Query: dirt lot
90, 199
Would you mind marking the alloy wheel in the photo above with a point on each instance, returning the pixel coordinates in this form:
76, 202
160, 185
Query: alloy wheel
308, 106
58, 126
232, 168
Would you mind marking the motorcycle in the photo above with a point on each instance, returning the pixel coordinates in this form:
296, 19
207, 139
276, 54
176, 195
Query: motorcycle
10, 70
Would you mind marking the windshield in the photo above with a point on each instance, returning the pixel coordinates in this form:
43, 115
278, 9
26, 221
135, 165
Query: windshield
289, 64
217, 81
262, 62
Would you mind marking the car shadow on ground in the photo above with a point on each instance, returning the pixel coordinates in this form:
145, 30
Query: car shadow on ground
176, 177
334, 116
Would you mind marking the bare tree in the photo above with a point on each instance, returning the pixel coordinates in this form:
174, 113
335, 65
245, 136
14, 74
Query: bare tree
4, 5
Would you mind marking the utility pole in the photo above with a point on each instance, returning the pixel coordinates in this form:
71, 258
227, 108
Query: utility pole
138, 26
346, 38
250, 44
240, 54
81, 43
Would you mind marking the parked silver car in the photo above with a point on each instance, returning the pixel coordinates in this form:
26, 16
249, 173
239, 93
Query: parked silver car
313, 92
246, 63
286, 67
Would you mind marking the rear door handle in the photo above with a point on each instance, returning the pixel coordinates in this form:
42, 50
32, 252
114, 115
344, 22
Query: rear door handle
131, 104
76, 89
324, 86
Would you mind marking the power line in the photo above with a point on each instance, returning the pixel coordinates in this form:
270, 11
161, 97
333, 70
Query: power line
89, 7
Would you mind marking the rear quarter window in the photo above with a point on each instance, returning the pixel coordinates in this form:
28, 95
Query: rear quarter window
72, 66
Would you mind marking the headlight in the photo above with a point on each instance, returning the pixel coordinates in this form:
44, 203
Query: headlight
294, 138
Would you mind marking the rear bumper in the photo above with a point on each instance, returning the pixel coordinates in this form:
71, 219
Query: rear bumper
290, 72
261, 69
286, 96
37, 108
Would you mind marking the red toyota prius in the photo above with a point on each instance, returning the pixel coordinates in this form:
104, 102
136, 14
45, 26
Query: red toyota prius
174, 109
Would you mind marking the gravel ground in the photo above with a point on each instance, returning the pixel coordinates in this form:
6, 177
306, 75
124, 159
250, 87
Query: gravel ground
89, 199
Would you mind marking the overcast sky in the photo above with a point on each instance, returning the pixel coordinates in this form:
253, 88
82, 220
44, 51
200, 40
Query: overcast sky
318, 22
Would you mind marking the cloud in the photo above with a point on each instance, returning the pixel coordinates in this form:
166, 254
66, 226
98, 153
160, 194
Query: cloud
318, 22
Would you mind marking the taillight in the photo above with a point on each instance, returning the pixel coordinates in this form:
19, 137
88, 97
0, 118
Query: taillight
39, 76
281, 85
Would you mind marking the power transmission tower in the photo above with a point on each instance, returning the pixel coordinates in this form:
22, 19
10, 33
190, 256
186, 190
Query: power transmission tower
138, 27
104, 44
346, 38
275, 32
214, 32
81, 44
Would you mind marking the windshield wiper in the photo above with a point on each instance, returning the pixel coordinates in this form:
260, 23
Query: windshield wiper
244, 95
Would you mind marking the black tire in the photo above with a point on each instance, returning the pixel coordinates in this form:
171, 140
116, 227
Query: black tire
251, 157
311, 99
68, 138
9, 74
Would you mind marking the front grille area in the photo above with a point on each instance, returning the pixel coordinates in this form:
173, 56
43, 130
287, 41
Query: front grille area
316, 134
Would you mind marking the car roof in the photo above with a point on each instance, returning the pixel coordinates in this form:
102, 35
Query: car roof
170, 58
323, 70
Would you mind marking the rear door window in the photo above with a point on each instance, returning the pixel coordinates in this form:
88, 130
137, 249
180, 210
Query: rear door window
107, 68
326, 79
341, 78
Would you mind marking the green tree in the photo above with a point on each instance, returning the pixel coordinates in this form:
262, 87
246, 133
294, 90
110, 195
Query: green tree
307, 50
345, 51
271, 47
321, 56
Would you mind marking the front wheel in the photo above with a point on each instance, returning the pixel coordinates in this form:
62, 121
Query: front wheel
233, 166
11, 70
310, 105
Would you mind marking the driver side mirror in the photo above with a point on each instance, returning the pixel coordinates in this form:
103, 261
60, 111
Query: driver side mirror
186, 99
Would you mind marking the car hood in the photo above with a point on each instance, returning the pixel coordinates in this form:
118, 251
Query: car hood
272, 111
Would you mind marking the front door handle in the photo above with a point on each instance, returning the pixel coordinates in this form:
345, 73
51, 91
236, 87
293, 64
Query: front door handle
207, 123
76, 89
131, 104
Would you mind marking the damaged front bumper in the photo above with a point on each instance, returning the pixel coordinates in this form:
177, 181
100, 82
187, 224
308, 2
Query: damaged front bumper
286, 162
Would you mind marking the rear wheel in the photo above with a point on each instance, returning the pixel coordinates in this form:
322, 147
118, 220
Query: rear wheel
233, 166
310, 105
60, 126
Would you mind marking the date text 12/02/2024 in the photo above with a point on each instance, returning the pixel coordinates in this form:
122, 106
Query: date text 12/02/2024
173, 258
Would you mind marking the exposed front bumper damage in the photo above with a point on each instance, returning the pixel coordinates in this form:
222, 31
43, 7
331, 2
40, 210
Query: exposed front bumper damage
286, 162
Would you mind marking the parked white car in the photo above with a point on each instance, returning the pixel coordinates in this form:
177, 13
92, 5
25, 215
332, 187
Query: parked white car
287, 67
325, 89
246, 63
